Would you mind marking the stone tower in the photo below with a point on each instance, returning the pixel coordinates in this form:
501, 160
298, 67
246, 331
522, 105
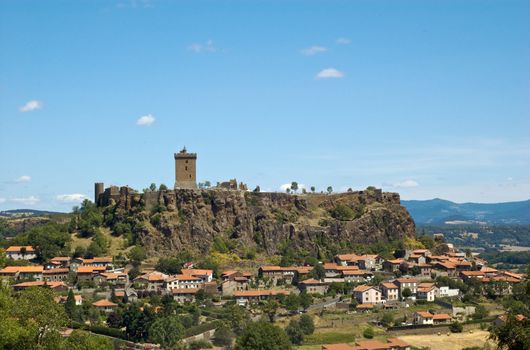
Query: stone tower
99, 188
185, 171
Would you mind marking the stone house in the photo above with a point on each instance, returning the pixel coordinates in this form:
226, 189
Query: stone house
229, 286
112, 278
58, 274
184, 295
151, 281
313, 286
23, 272
55, 286
87, 273
392, 265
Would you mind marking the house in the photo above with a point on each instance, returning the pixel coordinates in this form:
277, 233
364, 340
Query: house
389, 291
103, 261
126, 295
77, 297
334, 270
427, 293
467, 275
392, 265
104, 305
204, 274
427, 318
313, 286
367, 295
112, 278
55, 286
17, 252
231, 274
58, 262
152, 281
391, 344
422, 252
229, 286
447, 267
184, 295
406, 283
23, 272
369, 262
446, 292
273, 272
357, 276
245, 297
58, 274
182, 282
500, 320
87, 273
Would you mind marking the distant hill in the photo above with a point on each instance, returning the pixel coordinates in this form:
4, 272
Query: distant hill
25, 213
440, 211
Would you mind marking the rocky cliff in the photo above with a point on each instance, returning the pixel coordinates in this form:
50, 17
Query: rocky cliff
172, 220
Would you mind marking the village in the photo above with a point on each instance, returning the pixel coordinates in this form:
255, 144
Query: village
425, 290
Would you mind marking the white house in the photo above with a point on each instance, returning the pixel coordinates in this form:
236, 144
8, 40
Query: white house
367, 295
21, 252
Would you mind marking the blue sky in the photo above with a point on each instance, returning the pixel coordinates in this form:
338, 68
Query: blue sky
426, 98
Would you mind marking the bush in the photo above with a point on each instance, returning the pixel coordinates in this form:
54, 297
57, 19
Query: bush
306, 324
199, 344
369, 333
342, 212
456, 327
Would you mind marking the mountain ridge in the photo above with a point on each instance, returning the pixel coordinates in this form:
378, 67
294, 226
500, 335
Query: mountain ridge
440, 211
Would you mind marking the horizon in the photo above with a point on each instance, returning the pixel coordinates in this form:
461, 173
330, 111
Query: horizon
366, 93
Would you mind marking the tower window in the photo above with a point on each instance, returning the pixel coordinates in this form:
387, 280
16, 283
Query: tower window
186, 168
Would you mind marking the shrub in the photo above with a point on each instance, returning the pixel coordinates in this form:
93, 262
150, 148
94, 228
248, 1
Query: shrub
456, 327
369, 333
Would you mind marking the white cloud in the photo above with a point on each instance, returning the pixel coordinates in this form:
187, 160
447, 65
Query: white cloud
205, 47
31, 106
70, 198
343, 41
31, 200
329, 73
406, 184
509, 178
2, 200
286, 186
313, 50
146, 120
24, 178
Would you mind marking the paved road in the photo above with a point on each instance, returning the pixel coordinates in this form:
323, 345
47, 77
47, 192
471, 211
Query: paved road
323, 304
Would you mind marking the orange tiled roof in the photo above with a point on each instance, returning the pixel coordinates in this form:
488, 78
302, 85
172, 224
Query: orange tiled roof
18, 249
389, 285
23, 269
40, 284
257, 293
56, 271
363, 288
196, 272
104, 303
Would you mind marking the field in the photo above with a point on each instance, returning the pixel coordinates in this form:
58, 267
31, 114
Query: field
455, 341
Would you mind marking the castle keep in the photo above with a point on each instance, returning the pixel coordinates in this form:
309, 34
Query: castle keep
185, 170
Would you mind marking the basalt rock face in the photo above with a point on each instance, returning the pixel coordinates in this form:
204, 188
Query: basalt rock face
174, 220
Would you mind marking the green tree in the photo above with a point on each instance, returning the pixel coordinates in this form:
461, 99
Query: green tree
69, 305
223, 336
270, 308
292, 302
294, 186
166, 331
406, 293
317, 272
313, 189
162, 187
342, 212
306, 324
136, 255
387, 319
263, 336
294, 332
80, 340
305, 300
152, 187
330, 189
169, 265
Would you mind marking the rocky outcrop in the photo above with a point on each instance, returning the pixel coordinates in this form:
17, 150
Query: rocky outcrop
173, 220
